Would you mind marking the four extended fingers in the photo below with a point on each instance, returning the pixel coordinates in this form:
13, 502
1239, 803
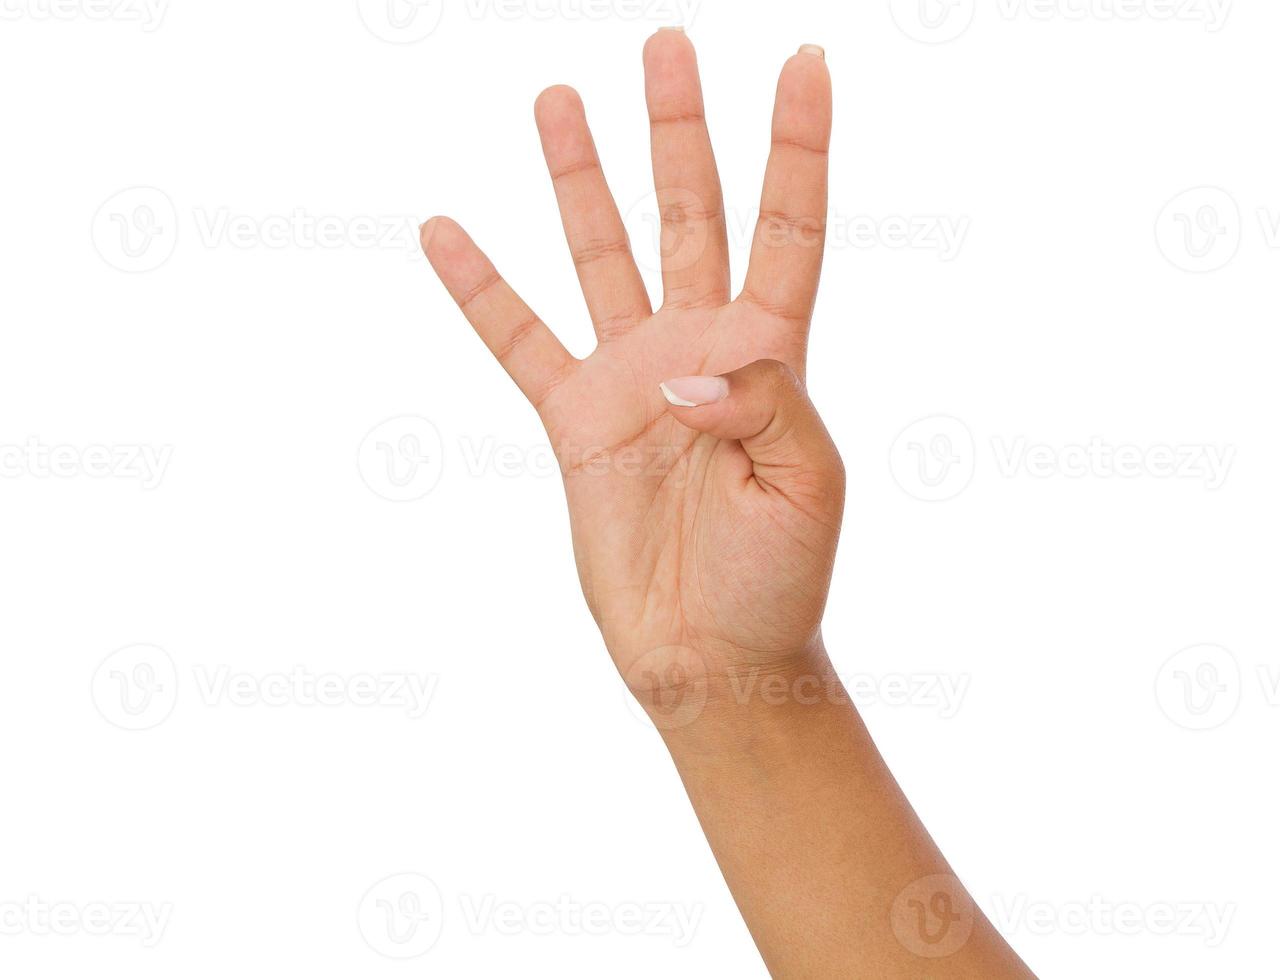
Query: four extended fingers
786, 256
616, 296
695, 244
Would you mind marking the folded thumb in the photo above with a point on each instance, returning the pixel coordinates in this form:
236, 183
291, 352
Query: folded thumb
764, 406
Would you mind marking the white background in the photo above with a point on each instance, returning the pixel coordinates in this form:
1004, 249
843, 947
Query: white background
1091, 302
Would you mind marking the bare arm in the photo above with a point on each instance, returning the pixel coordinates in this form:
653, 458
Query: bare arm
832, 870
710, 569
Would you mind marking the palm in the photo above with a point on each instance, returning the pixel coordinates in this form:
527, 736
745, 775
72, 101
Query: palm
661, 514
679, 542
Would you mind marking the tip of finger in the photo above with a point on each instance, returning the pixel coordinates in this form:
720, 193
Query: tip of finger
810, 62
804, 87
557, 100
437, 234
669, 41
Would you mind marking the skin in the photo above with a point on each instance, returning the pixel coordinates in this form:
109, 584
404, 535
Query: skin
705, 535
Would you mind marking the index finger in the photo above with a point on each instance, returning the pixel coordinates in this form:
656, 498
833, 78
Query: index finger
786, 256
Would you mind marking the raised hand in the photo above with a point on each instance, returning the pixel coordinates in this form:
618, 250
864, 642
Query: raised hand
705, 497
704, 493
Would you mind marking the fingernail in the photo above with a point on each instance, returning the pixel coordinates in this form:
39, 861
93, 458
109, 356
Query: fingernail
678, 30
695, 391
814, 50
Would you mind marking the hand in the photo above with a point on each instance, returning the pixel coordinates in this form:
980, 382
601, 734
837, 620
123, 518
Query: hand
704, 522
705, 497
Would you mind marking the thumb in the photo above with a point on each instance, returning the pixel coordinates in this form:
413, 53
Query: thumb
764, 406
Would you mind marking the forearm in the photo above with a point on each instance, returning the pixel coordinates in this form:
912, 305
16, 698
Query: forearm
831, 868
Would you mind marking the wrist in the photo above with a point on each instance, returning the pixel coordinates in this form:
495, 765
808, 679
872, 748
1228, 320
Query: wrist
713, 702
